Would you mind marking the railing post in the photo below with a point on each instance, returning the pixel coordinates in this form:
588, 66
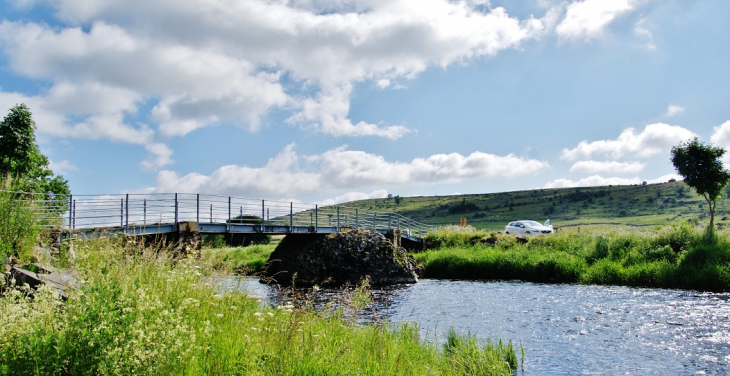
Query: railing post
263, 212
70, 211
316, 218
176, 208
126, 209
74, 226
144, 210
229, 213
338, 219
197, 207
121, 213
211, 213
291, 217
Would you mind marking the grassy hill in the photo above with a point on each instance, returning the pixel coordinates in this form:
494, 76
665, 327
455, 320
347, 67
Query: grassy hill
652, 204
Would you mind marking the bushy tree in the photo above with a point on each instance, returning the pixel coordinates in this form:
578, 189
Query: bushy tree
20, 159
701, 166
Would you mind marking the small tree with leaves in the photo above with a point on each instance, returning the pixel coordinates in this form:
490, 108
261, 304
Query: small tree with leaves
701, 166
20, 159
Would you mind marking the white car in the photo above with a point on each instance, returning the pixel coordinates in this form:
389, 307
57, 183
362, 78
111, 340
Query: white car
524, 228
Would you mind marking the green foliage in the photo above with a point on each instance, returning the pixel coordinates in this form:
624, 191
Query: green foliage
463, 207
20, 158
214, 241
18, 230
240, 260
468, 357
672, 257
138, 313
701, 166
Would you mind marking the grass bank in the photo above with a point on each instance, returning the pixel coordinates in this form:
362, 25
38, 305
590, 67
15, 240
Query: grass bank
139, 312
667, 257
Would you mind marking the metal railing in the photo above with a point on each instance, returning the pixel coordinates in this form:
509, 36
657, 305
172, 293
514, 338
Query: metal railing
125, 211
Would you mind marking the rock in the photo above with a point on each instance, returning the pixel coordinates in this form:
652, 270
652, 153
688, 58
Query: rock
339, 259
60, 280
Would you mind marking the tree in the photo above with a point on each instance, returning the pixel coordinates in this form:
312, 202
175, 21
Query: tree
702, 169
20, 159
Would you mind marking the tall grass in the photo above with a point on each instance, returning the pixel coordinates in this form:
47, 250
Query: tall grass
677, 256
138, 312
18, 230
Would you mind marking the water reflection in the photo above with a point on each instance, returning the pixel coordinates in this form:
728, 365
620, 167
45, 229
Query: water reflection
568, 329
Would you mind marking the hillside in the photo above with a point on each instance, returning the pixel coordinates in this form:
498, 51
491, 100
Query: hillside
651, 204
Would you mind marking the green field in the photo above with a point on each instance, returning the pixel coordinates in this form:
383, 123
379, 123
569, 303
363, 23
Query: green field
635, 205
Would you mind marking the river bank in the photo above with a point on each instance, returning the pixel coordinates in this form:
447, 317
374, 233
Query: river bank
665, 257
141, 312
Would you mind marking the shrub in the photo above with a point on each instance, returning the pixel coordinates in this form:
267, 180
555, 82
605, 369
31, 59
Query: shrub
18, 230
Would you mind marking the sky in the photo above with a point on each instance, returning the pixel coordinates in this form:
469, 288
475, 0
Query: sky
324, 101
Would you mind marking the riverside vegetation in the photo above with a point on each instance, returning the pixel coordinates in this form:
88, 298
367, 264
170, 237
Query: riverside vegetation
139, 311
672, 256
676, 256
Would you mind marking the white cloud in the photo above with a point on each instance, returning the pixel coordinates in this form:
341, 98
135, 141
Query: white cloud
213, 61
597, 180
62, 167
641, 30
291, 175
721, 137
611, 167
160, 156
654, 139
674, 110
587, 19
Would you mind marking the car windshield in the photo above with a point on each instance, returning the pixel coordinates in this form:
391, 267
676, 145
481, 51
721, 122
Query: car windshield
531, 224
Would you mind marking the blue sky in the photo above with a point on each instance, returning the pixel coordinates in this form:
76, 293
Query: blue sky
329, 101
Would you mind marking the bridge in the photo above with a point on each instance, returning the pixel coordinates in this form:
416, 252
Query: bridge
85, 216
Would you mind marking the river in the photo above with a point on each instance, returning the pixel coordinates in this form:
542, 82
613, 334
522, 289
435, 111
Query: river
569, 329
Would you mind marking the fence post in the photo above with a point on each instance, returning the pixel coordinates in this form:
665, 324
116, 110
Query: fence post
126, 209
263, 213
211, 213
176, 205
74, 226
121, 213
291, 217
229, 213
338, 219
144, 210
197, 207
70, 211
316, 218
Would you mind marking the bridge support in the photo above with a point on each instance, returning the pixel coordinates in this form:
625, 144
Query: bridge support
395, 237
185, 241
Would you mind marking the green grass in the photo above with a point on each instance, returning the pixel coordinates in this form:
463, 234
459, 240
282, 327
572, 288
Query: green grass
139, 312
239, 260
675, 256
642, 205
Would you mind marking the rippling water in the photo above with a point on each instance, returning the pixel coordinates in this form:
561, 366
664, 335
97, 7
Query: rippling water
571, 329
